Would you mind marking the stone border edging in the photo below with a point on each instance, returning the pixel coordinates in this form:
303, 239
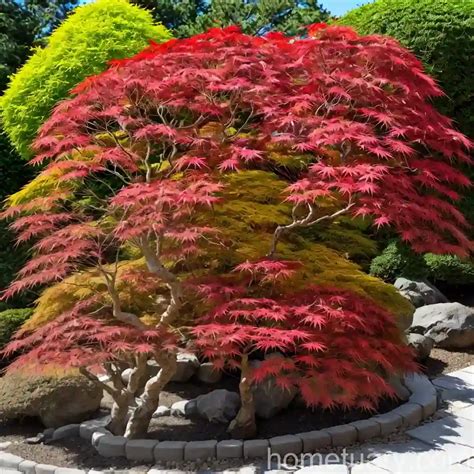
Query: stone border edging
421, 404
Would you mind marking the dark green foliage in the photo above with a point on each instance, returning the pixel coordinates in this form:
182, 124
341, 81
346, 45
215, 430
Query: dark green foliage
179, 16
441, 33
397, 260
10, 321
23, 24
188, 17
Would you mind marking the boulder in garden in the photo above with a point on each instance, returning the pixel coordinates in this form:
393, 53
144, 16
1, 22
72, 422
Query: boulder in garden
420, 293
450, 325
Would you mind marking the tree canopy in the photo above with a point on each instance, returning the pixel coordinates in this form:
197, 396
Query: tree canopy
141, 189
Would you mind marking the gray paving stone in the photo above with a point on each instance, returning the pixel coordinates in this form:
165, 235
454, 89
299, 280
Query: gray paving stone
140, 450
67, 431
10, 461
67, 470
469, 369
388, 422
420, 457
5, 470
286, 444
342, 435
169, 451
200, 450
464, 395
5, 445
45, 469
412, 414
469, 463
256, 448
230, 448
450, 429
368, 468
27, 467
467, 412
313, 440
459, 380
367, 429
325, 469
111, 446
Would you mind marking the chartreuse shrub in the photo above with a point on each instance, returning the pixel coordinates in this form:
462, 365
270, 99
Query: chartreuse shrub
82, 46
441, 34
397, 260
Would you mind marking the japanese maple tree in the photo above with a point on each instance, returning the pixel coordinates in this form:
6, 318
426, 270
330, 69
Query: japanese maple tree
137, 161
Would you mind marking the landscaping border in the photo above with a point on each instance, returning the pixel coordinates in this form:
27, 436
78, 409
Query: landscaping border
421, 404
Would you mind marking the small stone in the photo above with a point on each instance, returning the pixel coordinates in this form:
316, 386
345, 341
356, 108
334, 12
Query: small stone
183, 408
162, 411
5, 445
67, 431
208, 374
187, 365
35, 439
48, 433
218, 406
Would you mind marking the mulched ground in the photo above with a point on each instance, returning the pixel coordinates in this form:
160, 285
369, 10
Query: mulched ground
443, 362
79, 453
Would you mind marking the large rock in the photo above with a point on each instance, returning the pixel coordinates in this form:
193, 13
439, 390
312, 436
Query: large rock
269, 397
187, 366
422, 345
450, 325
218, 406
57, 401
420, 293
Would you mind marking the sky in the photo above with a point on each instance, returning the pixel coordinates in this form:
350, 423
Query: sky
339, 7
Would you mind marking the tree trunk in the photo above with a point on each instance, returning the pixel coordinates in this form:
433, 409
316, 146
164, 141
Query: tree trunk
119, 415
139, 421
243, 426
125, 398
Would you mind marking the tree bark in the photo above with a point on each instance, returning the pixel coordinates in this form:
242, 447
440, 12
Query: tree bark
139, 421
244, 426
118, 415
124, 398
